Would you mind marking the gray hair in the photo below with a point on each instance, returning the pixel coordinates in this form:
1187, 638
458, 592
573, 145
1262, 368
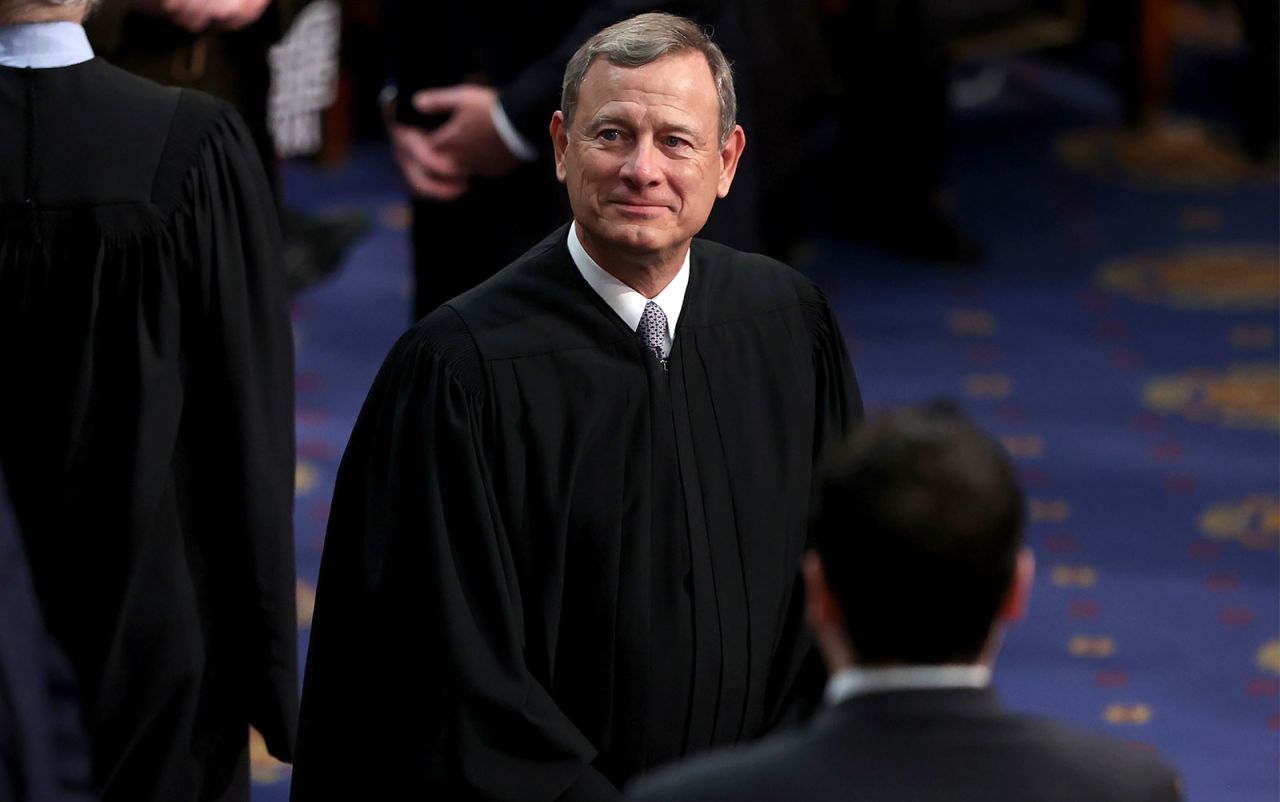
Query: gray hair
642, 40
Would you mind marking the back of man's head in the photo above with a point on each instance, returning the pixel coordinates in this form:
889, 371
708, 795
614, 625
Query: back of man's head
918, 524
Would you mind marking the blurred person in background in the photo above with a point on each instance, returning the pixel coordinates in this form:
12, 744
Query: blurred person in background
1255, 88
222, 47
884, 161
146, 409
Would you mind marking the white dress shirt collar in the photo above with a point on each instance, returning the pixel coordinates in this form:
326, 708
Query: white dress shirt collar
851, 682
626, 302
42, 45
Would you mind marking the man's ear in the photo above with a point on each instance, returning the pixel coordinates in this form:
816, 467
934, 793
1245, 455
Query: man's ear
559, 141
729, 156
825, 617
1018, 599
821, 607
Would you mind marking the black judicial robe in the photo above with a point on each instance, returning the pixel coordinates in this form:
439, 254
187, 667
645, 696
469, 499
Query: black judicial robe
146, 421
551, 564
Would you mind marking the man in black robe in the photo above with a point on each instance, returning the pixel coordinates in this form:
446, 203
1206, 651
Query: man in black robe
563, 550
146, 409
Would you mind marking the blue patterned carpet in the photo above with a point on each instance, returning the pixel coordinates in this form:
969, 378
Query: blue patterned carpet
1121, 339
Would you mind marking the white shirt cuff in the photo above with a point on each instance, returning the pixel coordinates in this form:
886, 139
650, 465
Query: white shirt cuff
518, 145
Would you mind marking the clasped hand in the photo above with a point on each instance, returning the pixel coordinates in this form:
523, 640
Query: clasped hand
439, 163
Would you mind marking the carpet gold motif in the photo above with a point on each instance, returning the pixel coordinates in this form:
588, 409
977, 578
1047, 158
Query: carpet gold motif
1253, 522
1233, 278
1240, 397
1174, 153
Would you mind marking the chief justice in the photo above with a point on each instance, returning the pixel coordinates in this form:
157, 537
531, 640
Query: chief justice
566, 532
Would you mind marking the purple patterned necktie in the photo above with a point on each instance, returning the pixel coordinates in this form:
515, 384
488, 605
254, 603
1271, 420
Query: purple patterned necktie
653, 330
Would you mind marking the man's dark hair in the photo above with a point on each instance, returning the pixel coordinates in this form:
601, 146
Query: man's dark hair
918, 523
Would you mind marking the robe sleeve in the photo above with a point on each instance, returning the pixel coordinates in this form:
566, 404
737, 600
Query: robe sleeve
239, 410
798, 675
839, 399
416, 680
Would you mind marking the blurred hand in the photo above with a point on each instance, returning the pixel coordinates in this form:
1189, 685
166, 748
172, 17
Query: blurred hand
429, 172
199, 16
468, 137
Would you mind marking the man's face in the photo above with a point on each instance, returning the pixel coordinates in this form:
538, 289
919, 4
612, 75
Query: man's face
642, 159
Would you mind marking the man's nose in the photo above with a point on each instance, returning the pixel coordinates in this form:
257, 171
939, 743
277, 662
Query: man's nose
641, 165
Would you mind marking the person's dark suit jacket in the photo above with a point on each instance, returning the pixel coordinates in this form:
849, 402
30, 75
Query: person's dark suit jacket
923, 746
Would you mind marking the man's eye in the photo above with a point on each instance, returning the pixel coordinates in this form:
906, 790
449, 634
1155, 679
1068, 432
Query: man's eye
673, 141
610, 135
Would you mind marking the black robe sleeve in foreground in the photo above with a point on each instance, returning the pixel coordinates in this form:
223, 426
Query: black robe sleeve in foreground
416, 684
239, 413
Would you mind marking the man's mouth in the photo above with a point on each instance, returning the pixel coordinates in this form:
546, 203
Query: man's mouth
639, 207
